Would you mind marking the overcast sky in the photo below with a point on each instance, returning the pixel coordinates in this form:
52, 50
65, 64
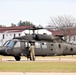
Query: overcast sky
35, 11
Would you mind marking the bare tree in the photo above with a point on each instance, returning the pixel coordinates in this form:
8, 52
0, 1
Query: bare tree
63, 21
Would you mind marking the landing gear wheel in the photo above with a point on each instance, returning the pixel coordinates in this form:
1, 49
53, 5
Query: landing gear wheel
17, 58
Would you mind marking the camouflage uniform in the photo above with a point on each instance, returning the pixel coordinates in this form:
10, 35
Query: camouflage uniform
32, 52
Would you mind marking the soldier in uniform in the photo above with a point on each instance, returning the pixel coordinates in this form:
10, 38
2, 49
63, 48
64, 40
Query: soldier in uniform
32, 51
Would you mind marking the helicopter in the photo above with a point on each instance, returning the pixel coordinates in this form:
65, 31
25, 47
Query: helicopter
45, 45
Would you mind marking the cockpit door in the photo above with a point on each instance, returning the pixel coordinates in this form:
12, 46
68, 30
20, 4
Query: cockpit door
38, 50
16, 48
23, 46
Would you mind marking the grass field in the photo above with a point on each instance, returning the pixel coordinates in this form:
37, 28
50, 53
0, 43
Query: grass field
38, 66
31, 66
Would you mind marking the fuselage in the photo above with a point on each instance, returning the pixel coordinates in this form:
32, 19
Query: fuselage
17, 47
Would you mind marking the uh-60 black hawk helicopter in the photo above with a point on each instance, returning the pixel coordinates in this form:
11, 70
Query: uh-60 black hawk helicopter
45, 45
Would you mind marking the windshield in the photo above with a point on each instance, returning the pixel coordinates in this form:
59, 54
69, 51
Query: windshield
10, 43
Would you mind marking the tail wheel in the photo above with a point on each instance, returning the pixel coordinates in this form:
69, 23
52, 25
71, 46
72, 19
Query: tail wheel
17, 58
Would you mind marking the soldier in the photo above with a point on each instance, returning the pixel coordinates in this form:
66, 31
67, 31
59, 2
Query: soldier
32, 51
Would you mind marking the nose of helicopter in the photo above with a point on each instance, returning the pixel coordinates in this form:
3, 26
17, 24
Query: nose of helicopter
2, 51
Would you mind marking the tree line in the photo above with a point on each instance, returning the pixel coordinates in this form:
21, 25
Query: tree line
59, 21
23, 23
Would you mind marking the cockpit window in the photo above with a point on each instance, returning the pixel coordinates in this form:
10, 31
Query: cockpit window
5, 44
10, 43
17, 44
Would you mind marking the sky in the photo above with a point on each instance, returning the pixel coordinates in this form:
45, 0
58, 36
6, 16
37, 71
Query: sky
36, 11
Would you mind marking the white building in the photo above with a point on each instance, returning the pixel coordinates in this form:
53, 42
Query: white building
41, 31
7, 33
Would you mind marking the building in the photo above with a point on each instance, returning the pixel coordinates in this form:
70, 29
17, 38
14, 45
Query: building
69, 33
7, 33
